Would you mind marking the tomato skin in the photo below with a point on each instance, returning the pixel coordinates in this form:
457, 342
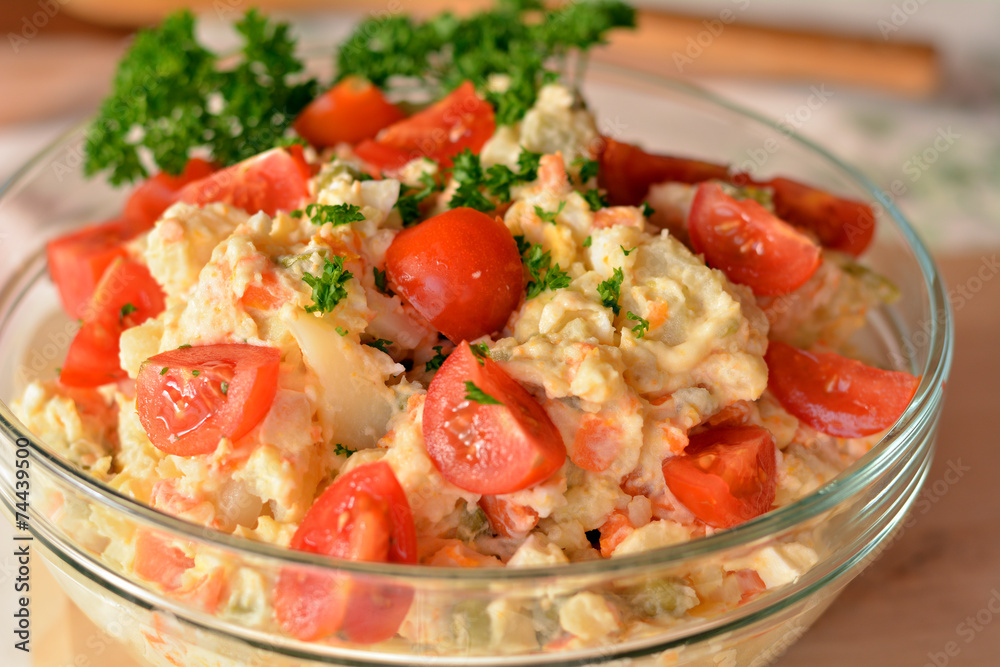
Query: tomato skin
381, 158
150, 199
275, 180
749, 244
443, 130
198, 407
92, 357
78, 260
841, 224
461, 270
364, 516
515, 445
627, 172
350, 111
726, 475
837, 395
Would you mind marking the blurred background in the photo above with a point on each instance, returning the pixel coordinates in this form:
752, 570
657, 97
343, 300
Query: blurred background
906, 90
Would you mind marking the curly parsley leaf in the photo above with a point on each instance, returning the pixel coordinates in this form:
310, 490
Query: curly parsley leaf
477, 395
381, 282
340, 450
481, 351
628, 251
587, 241
543, 276
610, 291
586, 168
171, 98
641, 328
435, 362
380, 344
338, 214
517, 38
328, 288
595, 199
549, 216
410, 198
647, 210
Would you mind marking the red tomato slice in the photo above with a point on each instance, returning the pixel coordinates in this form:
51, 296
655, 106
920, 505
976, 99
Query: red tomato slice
837, 395
488, 449
443, 130
841, 224
381, 158
190, 398
127, 295
627, 172
461, 270
749, 244
364, 516
726, 475
148, 201
275, 180
78, 260
158, 560
352, 110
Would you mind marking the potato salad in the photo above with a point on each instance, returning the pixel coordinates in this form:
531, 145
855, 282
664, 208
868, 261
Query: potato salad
438, 335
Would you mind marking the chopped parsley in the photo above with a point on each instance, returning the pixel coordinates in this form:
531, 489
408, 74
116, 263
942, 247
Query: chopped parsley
126, 310
196, 372
481, 350
164, 370
587, 169
224, 388
647, 210
518, 38
641, 328
172, 98
542, 275
184, 346
477, 395
484, 189
342, 331
380, 344
595, 199
627, 252
435, 361
610, 291
328, 288
338, 214
380, 281
340, 450
587, 241
408, 203
297, 213
549, 216
468, 194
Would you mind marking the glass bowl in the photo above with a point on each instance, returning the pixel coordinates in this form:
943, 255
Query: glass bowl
845, 523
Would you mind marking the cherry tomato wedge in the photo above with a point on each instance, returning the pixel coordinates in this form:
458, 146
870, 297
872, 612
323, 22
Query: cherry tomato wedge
275, 180
190, 398
364, 516
627, 171
840, 224
726, 475
461, 270
381, 158
78, 260
443, 130
127, 295
487, 448
150, 199
837, 395
352, 110
749, 244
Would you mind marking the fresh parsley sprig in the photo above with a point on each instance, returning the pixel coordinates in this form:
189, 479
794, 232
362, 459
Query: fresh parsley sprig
610, 291
171, 97
329, 287
435, 362
641, 328
477, 395
538, 262
338, 214
483, 189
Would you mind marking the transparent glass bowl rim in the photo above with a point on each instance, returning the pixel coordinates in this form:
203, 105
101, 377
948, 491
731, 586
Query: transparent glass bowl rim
848, 483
